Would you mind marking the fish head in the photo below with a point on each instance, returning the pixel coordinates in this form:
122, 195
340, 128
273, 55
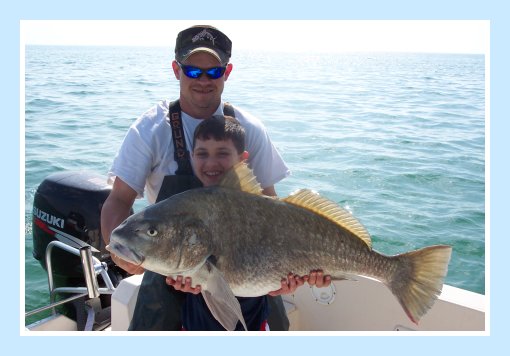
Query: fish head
175, 243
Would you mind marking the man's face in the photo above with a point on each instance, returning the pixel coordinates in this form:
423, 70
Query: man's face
203, 94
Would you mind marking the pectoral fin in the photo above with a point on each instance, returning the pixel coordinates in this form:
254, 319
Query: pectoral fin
220, 299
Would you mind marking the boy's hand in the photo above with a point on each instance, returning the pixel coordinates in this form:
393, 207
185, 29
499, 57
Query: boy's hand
292, 282
186, 287
317, 278
289, 285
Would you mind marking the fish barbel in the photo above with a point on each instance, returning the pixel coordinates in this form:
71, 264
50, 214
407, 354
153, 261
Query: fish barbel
234, 241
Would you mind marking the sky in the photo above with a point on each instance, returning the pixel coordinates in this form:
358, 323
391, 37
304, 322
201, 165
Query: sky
439, 36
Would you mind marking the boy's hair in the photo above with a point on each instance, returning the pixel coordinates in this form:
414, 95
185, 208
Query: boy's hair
221, 128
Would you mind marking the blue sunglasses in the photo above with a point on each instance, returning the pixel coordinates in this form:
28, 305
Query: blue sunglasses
195, 72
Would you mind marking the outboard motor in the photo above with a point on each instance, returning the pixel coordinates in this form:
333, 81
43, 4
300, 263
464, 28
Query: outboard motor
67, 207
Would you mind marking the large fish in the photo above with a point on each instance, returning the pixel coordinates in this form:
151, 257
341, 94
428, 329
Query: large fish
234, 241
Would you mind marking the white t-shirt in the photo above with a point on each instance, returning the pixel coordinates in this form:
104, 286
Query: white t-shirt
146, 155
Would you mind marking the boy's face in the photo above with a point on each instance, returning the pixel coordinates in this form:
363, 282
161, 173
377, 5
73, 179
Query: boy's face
211, 159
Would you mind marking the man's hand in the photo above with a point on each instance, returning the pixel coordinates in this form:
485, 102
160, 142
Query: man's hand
186, 287
129, 267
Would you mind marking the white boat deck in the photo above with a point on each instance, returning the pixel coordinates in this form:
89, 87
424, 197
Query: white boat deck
367, 305
362, 305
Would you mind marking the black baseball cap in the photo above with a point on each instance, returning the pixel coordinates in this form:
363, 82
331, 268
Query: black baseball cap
203, 39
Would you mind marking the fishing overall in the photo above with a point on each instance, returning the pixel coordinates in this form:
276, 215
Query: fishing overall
158, 306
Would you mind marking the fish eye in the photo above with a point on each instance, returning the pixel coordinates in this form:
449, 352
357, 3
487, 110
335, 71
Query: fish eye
152, 232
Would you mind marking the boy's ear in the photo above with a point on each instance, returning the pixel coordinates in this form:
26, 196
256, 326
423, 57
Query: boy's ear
245, 155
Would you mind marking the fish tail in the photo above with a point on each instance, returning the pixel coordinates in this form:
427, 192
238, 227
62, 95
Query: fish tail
419, 279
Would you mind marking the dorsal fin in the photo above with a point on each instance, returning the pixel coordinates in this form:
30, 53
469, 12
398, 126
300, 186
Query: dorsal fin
241, 177
312, 201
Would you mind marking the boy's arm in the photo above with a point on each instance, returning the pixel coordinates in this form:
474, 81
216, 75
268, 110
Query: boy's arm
183, 285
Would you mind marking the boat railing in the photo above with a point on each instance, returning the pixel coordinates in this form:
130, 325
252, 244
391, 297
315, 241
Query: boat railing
92, 267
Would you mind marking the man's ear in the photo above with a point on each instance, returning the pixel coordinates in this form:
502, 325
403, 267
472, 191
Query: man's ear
177, 70
228, 70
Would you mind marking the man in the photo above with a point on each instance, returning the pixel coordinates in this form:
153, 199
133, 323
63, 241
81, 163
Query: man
154, 159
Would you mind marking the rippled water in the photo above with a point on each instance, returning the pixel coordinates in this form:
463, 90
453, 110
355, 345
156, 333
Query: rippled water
398, 139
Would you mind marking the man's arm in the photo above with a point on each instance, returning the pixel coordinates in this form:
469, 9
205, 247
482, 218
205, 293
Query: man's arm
115, 210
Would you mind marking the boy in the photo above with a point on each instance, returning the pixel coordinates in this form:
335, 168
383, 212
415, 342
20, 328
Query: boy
218, 144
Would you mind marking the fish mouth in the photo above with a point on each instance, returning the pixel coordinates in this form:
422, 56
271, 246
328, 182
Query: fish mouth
125, 253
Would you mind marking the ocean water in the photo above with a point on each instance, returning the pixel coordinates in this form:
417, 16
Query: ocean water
397, 139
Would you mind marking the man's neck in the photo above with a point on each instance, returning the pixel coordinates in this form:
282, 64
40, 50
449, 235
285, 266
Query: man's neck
197, 112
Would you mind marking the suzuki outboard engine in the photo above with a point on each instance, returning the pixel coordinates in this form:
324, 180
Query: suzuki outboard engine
67, 207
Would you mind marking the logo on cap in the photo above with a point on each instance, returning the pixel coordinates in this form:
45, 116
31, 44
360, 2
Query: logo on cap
203, 35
